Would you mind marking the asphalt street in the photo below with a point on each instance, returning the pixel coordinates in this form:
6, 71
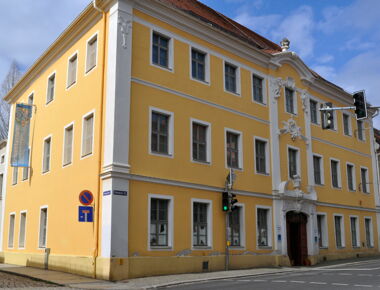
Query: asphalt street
352, 275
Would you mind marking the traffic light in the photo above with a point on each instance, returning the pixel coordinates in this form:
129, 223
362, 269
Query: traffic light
360, 105
233, 200
328, 117
225, 201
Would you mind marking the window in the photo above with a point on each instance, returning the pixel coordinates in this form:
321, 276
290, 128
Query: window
198, 65
335, 174
68, 145
25, 170
368, 232
88, 134
360, 130
21, 240
43, 228
234, 224
289, 101
257, 83
339, 231
72, 70
230, 78
317, 163
50, 89
200, 224
364, 178
322, 230
200, 136
92, 46
160, 133
11, 230
346, 124
261, 156
314, 112
47, 152
15, 175
160, 50
159, 219
354, 232
264, 227
351, 177
292, 162
233, 149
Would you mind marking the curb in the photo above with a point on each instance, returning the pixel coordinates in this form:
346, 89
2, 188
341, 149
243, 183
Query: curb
31, 277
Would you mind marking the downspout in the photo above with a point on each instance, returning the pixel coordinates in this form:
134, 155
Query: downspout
97, 205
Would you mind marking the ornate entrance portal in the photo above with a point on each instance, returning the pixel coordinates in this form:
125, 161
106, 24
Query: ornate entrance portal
297, 238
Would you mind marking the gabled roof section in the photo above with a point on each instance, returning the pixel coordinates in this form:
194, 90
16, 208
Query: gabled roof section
222, 22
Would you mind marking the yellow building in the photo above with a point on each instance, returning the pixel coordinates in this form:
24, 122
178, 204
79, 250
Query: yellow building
147, 105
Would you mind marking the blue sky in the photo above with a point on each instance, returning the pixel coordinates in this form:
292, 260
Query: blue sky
338, 39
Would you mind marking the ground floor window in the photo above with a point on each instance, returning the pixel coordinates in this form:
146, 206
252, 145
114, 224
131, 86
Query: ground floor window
200, 224
234, 224
159, 222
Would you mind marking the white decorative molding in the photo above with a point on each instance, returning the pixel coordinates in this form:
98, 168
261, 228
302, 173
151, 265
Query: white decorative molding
305, 98
275, 85
291, 127
290, 83
125, 26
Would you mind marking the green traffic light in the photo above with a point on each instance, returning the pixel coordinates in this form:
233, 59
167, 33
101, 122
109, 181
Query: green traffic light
225, 208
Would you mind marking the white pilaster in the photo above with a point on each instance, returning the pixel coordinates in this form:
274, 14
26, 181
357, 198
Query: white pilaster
117, 128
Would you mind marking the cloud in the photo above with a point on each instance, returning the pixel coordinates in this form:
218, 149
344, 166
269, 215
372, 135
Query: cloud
326, 58
260, 24
325, 71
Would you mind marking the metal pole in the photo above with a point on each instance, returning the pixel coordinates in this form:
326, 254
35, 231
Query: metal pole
227, 260
337, 108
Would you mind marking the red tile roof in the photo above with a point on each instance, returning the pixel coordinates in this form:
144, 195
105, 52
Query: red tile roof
222, 22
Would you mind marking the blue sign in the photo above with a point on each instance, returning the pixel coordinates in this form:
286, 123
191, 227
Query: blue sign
86, 214
108, 192
120, 192
20, 145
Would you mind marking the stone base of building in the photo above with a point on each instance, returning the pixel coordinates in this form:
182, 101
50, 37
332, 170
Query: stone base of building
115, 269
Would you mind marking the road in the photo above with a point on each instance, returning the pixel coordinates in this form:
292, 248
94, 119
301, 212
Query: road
353, 275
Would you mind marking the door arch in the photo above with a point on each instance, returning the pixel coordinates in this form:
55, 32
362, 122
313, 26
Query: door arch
297, 238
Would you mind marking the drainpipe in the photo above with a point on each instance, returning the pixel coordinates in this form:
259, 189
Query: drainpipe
97, 205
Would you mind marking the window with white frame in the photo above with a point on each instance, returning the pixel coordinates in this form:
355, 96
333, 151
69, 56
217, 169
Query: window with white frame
335, 173
11, 233
198, 65
257, 86
161, 130
72, 70
290, 101
160, 218
368, 232
235, 227
361, 133
322, 230
231, 78
46, 156
264, 229
91, 57
68, 145
351, 183
355, 234
339, 231
200, 139
161, 50
87, 134
43, 228
201, 224
293, 163
261, 156
22, 234
314, 111
364, 180
318, 169
347, 124
15, 175
25, 170
233, 148
50, 88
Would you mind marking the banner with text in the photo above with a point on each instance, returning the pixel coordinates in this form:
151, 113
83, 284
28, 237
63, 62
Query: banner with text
20, 146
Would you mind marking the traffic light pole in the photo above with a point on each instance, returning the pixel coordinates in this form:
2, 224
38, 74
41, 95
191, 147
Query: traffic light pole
227, 259
337, 108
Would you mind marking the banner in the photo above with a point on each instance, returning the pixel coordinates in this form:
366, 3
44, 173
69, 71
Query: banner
20, 146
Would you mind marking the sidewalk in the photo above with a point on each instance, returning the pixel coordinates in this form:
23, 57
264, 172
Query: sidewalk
80, 282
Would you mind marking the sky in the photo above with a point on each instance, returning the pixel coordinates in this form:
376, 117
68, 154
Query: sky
338, 39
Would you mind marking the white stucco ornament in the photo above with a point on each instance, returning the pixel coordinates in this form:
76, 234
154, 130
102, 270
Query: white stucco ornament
276, 85
290, 127
305, 98
125, 27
